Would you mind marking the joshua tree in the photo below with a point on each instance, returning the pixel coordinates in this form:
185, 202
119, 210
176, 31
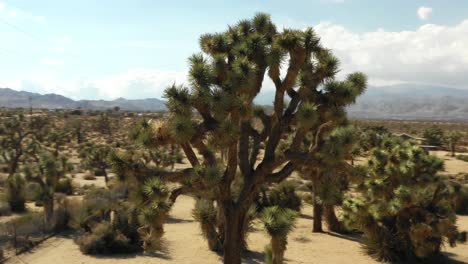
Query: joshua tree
452, 140
19, 139
103, 124
97, 158
47, 174
56, 139
278, 223
224, 82
206, 214
329, 175
15, 193
150, 196
403, 207
77, 130
434, 135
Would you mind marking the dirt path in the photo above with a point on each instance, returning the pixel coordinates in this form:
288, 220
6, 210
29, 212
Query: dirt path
186, 245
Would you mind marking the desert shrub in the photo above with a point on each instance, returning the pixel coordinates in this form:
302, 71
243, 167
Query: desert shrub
99, 173
282, 195
89, 177
15, 194
461, 199
32, 191
278, 223
4, 209
65, 186
206, 214
462, 157
403, 208
434, 135
107, 224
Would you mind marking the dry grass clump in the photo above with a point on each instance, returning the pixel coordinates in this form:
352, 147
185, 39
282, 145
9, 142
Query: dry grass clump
89, 177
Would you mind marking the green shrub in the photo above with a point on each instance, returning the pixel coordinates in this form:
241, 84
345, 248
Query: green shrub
106, 238
462, 157
65, 186
283, 195
15, 193
32, 191
404, 209
4, 209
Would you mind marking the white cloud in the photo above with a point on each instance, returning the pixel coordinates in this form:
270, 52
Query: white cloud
62, 40
424, 12
135, 83
51, 62
430, 54
17, 14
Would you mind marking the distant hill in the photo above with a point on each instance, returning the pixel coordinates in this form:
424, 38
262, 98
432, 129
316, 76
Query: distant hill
403, 101
12, 99
412, 101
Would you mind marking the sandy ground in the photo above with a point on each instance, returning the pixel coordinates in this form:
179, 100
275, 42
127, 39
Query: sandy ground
186, 245
452, 165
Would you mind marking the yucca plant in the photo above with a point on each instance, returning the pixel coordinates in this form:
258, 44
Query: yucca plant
278, 223
404, 209
329, 177
96, 158
46, 174
19, 139
15, 193
206, 214
218, 106
452, 140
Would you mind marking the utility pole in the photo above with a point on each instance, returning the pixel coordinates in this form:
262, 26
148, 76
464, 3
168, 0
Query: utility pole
30, 105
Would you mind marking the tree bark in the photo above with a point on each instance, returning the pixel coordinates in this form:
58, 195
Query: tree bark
277, 250
106, 178
233, 231
49, 212
318, 211
333, 223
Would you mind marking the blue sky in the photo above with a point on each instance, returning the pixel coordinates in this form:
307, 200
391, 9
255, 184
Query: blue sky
134, 48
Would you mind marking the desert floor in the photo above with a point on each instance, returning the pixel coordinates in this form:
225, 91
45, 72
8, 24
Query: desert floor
186, 245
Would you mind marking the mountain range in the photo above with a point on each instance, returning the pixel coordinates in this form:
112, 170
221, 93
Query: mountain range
13, 99
402, 101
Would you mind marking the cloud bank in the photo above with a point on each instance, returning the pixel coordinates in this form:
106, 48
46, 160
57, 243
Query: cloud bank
431, 54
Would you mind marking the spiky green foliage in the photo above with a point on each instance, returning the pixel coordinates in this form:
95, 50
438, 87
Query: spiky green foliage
46, 174
217, 113
278, 223
329, 176
96, 158
19, 139
404, 209
452, 140
15, 193
283, 195
206, 214
434, 136
149, 194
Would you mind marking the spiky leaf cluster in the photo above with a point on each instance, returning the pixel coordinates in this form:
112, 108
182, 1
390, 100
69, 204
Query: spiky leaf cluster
403, 207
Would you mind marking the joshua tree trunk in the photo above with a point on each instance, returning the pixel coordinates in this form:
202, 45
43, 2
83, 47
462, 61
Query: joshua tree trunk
104, 173
318, 210
318, 207
234, 218
49, 211
14, 164
332, 220
277, 250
